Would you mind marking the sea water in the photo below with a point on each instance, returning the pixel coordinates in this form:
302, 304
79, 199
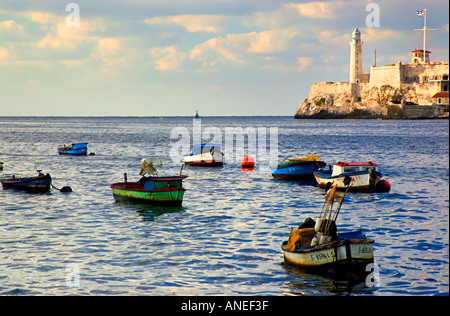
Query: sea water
225, 239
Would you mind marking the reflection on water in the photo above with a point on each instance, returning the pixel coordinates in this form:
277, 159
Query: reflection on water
148, 213
329, 282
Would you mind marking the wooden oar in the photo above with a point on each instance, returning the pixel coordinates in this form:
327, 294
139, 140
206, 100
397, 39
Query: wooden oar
347, 181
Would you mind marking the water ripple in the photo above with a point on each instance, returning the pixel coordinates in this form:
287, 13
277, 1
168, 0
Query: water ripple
225, 239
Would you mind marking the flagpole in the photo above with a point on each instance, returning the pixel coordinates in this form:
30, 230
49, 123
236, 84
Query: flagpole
424, 35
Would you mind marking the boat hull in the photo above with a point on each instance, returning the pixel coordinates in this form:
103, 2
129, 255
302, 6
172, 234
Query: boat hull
162, 191
39, 184
298, 171
204, 160
346, 254
360, 181
160, 198
72, 152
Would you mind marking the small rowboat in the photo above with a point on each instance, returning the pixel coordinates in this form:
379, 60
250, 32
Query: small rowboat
365, 177
38, 184
350, 251
163, 191
150, 190
298, 169
74, 149
319, 246
205, 155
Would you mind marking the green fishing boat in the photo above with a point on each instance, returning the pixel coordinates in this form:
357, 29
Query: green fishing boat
150, 190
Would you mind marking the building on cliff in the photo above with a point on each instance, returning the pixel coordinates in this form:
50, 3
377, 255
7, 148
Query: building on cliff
399, 90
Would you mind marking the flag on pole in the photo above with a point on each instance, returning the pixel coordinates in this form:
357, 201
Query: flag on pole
420, 13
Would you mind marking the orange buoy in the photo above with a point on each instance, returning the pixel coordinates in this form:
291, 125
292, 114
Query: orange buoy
247, 162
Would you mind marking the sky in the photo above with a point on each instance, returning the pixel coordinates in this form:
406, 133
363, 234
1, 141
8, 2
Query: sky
173, 57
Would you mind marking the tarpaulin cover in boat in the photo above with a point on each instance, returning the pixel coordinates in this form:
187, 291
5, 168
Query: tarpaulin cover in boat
300, 238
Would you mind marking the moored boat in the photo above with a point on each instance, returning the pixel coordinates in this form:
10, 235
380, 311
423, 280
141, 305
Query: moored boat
79, 149
350, 251
38, 184
298, 169
150, 190
205, 155
365, 177
319, 245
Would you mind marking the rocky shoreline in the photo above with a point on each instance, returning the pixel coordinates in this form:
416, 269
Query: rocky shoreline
329, 100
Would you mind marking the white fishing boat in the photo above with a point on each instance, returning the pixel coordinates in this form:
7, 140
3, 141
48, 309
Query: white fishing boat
351, 250
319, 245
205, 155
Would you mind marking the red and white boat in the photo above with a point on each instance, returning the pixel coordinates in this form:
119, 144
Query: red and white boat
365, 177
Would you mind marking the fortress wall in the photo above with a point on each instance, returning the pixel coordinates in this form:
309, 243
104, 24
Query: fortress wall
422, 73
320, 88
385, 75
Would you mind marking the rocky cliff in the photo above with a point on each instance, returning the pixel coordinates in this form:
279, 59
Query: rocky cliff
332, 100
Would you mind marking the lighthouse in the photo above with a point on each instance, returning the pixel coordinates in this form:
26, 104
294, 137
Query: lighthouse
356, 66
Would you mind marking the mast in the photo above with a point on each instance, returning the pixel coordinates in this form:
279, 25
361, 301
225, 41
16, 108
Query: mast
424, 29
424, 34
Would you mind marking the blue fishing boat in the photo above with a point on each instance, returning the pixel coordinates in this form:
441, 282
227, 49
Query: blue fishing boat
79, 149
298, 169
38, 184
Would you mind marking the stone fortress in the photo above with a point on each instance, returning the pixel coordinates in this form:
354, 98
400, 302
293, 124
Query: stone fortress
419, 89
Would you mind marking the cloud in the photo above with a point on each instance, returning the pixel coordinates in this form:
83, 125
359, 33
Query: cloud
227, 48
192, 23
378, 35
240, 48
271, 41
304, 63
10, 25
5, 54
167, 58
107, 47
319, 10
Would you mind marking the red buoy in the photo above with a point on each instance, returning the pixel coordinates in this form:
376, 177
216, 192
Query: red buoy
383, 186
248, 162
